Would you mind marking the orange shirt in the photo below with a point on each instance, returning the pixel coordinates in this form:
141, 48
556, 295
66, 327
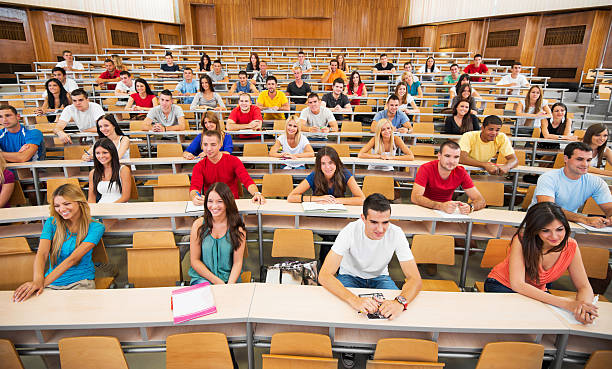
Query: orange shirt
331, 77
501, 272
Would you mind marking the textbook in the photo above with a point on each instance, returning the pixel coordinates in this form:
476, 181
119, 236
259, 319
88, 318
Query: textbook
192, 302
328, 208
191, 208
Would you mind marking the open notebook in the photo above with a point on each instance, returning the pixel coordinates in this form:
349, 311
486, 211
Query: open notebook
316, 207
192, 302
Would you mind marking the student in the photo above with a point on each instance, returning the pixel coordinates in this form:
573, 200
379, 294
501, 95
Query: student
243, 84
477, 68
463, 120
245, 116
428, 69
514, 79
298, 87
218, 76
260, 77
18, 144
292, 145
125, 86
69, 64
464, 79
452, 78
303, 63
143, 98
465, 93
540, 252
56, 99
167, 116
7, 184
272, 99
570, 186
398, 119
111, 74
557, 128
68, 83
534, 108
383, 68
336, 101
219, 167
210, 121
414, 87
341, 63
356, 88
119, 63
479, 147
384, 145
82, 112
317, 118
596, 136
109, 181
253, 63
408, 68
169, 65
406, 101
188, 86
109, 128
66, 243
207, 98
436, 182
331, 74
205, 64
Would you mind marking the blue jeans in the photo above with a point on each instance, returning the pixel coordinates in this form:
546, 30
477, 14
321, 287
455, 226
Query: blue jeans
493, 285
383, 282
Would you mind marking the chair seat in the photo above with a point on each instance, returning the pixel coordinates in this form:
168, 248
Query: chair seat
440, 285
103, 283
479, 286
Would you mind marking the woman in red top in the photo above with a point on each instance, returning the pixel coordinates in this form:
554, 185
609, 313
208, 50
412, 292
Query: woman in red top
540, 252
143, 99
356, 88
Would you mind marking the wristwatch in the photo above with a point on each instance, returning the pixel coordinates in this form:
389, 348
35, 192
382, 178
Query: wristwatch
402, 300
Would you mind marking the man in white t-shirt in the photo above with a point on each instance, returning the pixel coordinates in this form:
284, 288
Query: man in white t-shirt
317, 118
68, 83
514, 79
362, 251
126, 85
69, 64
82, 112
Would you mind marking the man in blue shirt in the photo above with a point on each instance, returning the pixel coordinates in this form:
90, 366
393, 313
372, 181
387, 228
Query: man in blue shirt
570, 186
398, 118
18, 144
188, 86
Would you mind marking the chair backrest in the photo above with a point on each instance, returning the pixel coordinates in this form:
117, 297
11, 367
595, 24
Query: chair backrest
279, 125
169, 150
343, 150
506, 129
425, 118
433, 249
8, 355
153, 267
590, 207
134, 189
54, 183
537, 132
422, 150
255, 149
520, 155
528, 197
74, 152
599, 360
16, 269
17, 197
579, 133
379, 184
14, 245
559, 161
137, 126
495, 252
423, 127
91, 352
351, 126
277, 185
172, 187
293, 243
511, 355
301, 344
493, 192
146, 240
190, 350
173, 180
595, 260
363, 108
99, 255
134, 151
45, 127
406, 349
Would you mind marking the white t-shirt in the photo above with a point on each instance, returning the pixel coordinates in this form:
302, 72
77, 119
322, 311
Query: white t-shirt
520, 80
75, 65
69, 86
537, 122
83, 119
121, 87
366, 258
293, 150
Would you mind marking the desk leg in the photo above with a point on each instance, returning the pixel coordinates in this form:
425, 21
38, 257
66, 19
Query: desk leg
514, 187
260, 241
533, 153
560, 344
250, 353
468, 239
149, 145
36, 186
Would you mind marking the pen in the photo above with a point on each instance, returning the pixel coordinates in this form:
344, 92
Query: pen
595, 299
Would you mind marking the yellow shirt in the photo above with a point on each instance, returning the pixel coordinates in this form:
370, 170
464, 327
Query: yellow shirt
279, 100
471, 143
331, 77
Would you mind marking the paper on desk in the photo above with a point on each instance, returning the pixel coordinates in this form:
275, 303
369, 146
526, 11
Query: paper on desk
192, 302
191, 208
593, 229
454, 215
315, 206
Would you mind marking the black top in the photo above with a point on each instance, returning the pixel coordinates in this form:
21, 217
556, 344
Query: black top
451, 128
167, 68
379, 66
331, 102
294, 90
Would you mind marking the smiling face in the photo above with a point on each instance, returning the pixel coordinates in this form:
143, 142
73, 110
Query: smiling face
68, 210
534, 94
383, 60
242, 78
465, 93
215, 205
109, 66
449, 158
333, 66
188, 75
477, 60
552, 234
337, 88
54, 88
103, 155
263, 67
297, 73
107, 128
68, 57
463, 108
401, 91
127, 80
558, 112
253, 60
579, 163
393, 105
600, 138
245, 103
356, 78
169, 60
490, 132
430, 62
271, 85
386, 130
314, 104
516, 69
141, 88
301, 58
165, 102
292, 127
217, 68
454, 70
328, 167
205, 85
376, 223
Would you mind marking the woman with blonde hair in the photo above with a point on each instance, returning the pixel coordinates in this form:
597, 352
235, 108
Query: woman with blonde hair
67, 240
210, 121
384, 145
534, 109
414, 87
119, 62
292, 145
7, 184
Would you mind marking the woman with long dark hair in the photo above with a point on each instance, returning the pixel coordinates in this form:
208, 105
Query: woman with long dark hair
205, 63
207, 98
464, 79
559, 127
143, 98
253, 63
407, 104
596, 136
462, 120
540, 252
56, 98
534, 109
109, 181
109, 128
428, 68
356, 88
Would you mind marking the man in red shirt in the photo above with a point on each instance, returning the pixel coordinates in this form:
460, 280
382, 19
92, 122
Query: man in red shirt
218, 166
478, 68
111, 74
245, 115
437, 180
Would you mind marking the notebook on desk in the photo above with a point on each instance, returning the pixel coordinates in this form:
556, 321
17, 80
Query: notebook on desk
593, 229
191, 208
192, 302
316, 207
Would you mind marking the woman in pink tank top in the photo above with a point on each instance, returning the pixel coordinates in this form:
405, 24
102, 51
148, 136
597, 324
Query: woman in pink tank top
540, 252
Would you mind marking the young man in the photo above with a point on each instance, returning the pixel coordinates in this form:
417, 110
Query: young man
69, 64
188, 86
398, 118
478, 68
303, 64
166, 116
82, 112
217, 74
436, 182
570, 186
479, 147
272, 99
383, 68
245, 116
68, 83
514, 79
218, 166
317, 118
111, 74
298, 87
126, 85
336, 101
169, 65
332, 73
452, 78
260, 77
17, 143
243, 84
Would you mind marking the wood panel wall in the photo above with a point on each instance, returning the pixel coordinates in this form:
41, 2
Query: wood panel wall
26, 48
427, 34
104, 25
473, 35
528, 27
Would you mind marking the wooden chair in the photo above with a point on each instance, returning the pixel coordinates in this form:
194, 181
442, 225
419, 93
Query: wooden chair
425, 118
277, 185
579, 133
153, 260
590, 207
299, 350
100, 256
169, 150
255, 149
91, 352
9, 356
74, 152
520, 155
172, 187
343, 150
191, 350
493, 192
528, 197
17, 197
495, 252
293, 243
54, 183
379, 184
134, 189
146, 240
138, 126
595, 260
422, 152
559, 161
405, 353
423, 128
16, 263
279, 125
536, 133
511, 355
599, 359
351, 126
507, 129
435, 249
134, 151
363, 108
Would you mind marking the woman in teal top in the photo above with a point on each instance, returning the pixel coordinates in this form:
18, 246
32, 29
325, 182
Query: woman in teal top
218, 239
66, 242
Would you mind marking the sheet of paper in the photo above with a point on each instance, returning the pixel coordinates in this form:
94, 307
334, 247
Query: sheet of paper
191, 208
314, 206
569, 317
192, 302
593, 229
454, 215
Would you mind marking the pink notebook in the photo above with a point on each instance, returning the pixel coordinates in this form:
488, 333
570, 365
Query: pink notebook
192, 302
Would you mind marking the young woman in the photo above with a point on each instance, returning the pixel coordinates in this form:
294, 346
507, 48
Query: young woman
205, 63
292, 144
414, 87
406, 100
143, 98
465, 93
66, 243
409, 68
596, 136
118, 63
557, 128
109, 181
464, 79
109, 128
210, 121
207, 98
341, 63
217, 239
384, 145
56, 98
356, 88
7, 184
253, 64
462, 120
540, 252
534, 108
429, 68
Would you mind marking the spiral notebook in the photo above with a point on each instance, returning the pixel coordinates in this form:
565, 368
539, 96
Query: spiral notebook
192, 302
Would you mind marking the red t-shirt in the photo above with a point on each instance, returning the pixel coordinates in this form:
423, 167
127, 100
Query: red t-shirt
106, 75
227, 170
438, 189
147, 102
470, 69
245, 118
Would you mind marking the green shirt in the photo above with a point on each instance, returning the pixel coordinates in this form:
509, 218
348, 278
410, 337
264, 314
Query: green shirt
449, 79
217, 255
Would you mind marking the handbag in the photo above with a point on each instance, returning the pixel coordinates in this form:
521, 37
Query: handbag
293, 272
